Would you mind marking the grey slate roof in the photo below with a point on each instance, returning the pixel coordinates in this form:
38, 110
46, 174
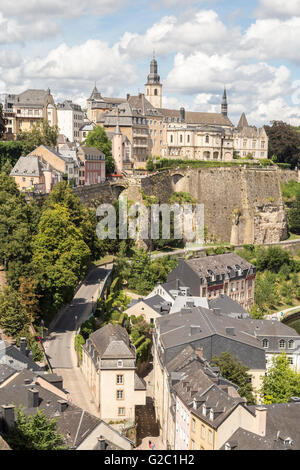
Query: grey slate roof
192, 117
32, 97
228, 306
242, 122
112, 341
218, 264
6, 372
282, 423
28, 166
17, 360
74, 423
139, 383
158, 304
182, 301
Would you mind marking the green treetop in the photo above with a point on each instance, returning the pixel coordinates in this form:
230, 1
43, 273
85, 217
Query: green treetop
281, 382
41, 134
99, 139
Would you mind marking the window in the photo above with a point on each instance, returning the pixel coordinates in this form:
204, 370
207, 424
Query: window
207, 139
121, 411
193, 445
282, 344
291, 344
120, 394
210, 436
265, 343
120, 363
203, 431
193, 424
120, 379
291, 361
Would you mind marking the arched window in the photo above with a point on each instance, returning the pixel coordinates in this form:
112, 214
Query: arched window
291, 344
265, 343
207, 139
282, 344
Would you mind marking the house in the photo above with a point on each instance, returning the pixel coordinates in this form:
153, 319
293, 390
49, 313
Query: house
81, 430
15, 358
109, 363
66, 166
282, 430
24, 111
250, 141
214, 275
70, 120
149, 308
32, 174
92, 165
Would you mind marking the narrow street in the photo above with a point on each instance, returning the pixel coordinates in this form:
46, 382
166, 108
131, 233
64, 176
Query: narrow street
59, 345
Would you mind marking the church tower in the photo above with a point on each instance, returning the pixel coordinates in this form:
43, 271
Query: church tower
224, 107
153, 86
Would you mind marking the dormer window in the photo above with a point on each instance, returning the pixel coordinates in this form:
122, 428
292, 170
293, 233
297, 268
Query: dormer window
291, 344
265, 343
120, 363
282, 344
204, 410
211, 415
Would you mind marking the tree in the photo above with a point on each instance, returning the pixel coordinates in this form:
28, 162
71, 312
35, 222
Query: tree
284, 142
273, 259
13, 317
99, 139
266, 295
60, 258
294, 215
10, 151
235, 371
15, 230
281, 382
35, 432
41, 134
150, 164
29, 298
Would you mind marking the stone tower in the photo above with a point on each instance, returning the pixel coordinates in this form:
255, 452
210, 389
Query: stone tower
224, 108
117, 147
153, 86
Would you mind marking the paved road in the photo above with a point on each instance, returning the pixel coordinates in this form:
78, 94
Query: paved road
286, 312
60, 342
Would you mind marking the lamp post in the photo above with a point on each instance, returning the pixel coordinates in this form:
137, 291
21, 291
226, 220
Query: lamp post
92, 304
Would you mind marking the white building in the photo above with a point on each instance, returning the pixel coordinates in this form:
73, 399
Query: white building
70, 119
250, 141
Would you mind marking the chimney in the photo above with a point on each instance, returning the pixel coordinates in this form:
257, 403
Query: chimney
230, 331
8, 415
261, 420
62, 405
33, 398
101, 443
217, 311
199, 352
182, 114
195, 330
23, 345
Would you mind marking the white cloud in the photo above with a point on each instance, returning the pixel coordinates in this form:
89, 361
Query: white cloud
278, 8
58, 8
12, 30
204, 30
268, 39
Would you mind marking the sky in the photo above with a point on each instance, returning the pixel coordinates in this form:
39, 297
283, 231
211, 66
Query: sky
252, 47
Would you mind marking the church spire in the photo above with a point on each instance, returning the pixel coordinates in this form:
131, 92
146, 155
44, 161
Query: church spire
224, 107
153, 77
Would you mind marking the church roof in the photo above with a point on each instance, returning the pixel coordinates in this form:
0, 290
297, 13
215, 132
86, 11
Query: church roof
243, 122
95, 95
192, 117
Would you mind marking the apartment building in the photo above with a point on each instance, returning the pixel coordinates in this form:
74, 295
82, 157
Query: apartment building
214, 275
70, 119
109, 366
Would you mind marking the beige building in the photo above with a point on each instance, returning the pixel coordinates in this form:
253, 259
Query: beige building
31, 174
250, 141
109, 366
67, 166
199, 142
24, 111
